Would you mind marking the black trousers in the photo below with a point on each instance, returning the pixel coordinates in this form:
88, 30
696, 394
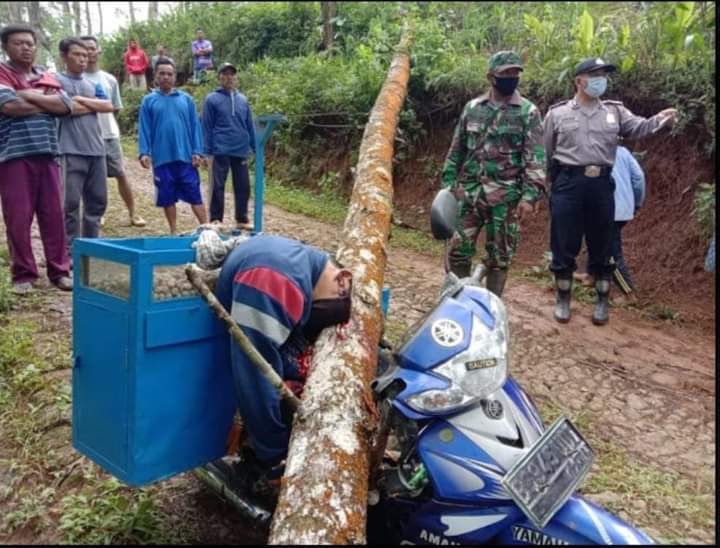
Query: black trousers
581, 206
241, 187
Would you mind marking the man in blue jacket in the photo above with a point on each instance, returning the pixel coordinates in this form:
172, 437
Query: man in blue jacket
229, 136
282, 293
170, 138
629, 197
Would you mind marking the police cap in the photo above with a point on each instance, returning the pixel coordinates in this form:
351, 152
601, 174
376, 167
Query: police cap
591, 64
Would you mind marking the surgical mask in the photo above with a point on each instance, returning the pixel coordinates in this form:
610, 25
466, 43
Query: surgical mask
596, 86
506, 86
324, 313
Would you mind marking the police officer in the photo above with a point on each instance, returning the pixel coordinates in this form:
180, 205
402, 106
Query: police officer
581, 137
495, 166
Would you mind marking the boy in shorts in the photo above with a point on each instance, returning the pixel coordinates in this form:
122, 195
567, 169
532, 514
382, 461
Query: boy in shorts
170, 137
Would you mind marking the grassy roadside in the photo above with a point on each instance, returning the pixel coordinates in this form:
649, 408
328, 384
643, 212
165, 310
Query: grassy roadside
670, 508
47, 493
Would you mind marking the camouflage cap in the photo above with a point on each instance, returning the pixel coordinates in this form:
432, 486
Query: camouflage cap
502, 60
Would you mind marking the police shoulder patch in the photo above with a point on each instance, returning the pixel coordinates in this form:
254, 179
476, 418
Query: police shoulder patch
559, 104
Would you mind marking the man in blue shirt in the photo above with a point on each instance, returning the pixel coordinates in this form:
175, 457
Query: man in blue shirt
170, 138
282, 293
229, 134
629, 197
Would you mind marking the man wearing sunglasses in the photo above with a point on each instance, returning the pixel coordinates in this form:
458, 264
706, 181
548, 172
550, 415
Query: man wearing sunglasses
282, 293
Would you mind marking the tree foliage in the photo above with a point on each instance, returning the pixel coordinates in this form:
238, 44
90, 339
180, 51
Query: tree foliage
665, 52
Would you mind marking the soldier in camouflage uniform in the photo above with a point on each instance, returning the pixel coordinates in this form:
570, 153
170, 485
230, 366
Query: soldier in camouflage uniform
495, 167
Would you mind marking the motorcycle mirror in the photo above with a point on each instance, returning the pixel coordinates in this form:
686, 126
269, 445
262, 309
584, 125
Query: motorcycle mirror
443, 215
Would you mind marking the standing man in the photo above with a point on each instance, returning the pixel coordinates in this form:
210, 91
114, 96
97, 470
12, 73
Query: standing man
82, 145
170, 138
629, 197
581, 138
229, 134
109, 127
202, 54
495, 166
136, 63
30, 102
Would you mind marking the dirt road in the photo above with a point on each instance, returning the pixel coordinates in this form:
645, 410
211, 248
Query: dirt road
646, 387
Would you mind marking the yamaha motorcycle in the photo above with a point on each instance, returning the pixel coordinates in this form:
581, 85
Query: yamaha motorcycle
466, 458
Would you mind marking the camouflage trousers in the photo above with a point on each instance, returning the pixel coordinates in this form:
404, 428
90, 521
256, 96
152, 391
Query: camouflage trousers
502, 235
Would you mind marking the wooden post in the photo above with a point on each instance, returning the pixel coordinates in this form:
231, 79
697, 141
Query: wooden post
323, 498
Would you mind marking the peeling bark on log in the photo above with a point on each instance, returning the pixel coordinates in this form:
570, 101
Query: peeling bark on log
323, 499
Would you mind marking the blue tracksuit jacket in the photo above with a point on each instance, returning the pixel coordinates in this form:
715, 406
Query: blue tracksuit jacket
228, 124
266, 283
169, 128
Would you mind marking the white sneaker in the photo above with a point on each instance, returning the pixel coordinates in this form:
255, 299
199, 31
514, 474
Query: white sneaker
22, 288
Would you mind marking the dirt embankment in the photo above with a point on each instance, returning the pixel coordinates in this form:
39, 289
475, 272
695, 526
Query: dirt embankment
662, 244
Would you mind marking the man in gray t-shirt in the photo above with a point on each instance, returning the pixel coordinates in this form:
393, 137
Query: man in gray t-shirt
109, 127
81, 145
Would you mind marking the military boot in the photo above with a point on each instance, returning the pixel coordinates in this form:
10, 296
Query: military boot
562, 304
601, 312
496, 278
460, 269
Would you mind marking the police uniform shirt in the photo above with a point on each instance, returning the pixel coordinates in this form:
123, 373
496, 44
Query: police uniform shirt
578, 135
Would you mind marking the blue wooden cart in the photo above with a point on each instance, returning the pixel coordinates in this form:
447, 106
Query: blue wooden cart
152, 387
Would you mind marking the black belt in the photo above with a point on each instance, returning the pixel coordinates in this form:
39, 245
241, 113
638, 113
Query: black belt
587, 171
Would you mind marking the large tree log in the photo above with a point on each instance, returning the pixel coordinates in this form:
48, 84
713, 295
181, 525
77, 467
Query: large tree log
323, 499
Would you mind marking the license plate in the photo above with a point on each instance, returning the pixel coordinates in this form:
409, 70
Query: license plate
545, 477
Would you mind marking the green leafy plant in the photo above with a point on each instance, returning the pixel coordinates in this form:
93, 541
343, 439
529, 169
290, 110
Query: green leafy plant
116, 515
31, 512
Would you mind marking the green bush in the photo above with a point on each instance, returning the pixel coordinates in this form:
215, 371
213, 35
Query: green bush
128, 117
665, 52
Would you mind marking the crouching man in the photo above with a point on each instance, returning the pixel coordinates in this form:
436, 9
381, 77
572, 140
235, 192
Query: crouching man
282, 293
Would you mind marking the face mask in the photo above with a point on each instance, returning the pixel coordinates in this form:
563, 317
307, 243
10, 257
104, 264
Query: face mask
596, 86
506, 86
324, 313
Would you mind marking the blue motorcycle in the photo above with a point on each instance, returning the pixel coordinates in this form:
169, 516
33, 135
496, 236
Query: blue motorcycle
464, 456
475, 463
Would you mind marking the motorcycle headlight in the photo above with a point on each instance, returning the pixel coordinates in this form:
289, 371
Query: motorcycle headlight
473, 374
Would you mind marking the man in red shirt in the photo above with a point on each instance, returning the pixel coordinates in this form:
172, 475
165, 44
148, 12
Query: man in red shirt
31, 100
136, 63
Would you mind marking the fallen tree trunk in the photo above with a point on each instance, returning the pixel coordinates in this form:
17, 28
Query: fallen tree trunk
323, 499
